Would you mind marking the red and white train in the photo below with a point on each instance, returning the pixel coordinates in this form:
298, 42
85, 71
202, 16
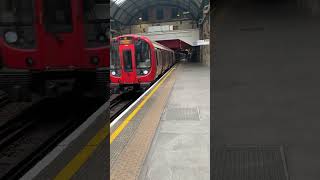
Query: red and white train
136, 61
47, 46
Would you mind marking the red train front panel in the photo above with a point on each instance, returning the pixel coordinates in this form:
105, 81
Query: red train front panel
44, 36
133, 61
51, 35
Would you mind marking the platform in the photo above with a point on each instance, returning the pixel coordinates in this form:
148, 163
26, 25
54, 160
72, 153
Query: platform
165, 135
81, 155
266, 92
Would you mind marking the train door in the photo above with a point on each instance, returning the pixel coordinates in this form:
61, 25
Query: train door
159, 65
128, 65
161, 60
167, 60
60, 35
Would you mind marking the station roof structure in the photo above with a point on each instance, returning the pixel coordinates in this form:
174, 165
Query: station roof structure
125, 11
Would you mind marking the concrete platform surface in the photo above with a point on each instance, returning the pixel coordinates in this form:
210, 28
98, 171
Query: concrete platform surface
181, 146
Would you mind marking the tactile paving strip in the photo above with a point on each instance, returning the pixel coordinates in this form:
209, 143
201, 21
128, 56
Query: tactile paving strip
129, 162
244, 162
181, 113
121, 141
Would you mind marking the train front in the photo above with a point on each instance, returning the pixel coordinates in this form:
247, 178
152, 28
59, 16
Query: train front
133, 63
48, 47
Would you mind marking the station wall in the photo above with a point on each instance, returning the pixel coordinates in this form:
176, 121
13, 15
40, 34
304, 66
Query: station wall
205, 34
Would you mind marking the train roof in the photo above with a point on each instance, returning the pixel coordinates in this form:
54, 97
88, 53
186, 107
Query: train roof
155, 44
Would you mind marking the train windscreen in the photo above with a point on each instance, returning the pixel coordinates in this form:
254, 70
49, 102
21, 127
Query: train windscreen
16, 12
96, 22
16, 23
58, 16
143, 55
115, 59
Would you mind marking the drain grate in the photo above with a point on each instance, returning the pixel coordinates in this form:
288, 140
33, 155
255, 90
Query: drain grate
244, 162
186, 114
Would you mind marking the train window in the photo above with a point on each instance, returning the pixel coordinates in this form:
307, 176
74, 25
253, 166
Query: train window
157, 53
115, 60
19, 13
143, 55
58, 16
160, 57
96, 22
127, 60
17, 16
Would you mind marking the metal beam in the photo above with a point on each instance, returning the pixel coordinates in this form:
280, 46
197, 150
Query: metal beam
183, 4
193, 14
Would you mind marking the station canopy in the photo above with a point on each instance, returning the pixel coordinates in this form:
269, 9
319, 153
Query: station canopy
125, 11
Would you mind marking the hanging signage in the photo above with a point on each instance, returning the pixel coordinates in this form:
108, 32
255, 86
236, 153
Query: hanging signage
202, 42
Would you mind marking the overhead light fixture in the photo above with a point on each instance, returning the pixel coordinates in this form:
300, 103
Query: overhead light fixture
118, 2
140, 18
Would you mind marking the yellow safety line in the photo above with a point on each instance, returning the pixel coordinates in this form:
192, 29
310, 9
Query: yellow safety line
74, 165
137, 109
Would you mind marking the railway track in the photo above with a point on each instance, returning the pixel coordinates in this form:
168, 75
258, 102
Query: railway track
121, 102
31, 135
3, 98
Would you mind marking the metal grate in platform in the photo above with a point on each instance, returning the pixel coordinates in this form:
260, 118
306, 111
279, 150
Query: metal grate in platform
243, 162
184, 114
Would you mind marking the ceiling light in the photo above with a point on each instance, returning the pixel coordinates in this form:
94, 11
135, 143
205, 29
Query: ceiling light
118, 2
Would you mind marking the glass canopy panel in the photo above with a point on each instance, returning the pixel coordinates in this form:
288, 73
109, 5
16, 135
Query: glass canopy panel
125, 10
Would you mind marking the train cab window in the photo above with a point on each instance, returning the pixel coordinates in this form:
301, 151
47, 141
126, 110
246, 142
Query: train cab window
127, 60
17, 17
58, 16
16, 12
143, 55
96, 22
115, 60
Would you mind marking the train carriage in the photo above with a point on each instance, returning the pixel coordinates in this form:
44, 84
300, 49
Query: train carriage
47, 46
136, 61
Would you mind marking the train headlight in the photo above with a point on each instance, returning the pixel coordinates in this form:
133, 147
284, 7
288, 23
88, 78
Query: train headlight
113, 73
29, 61
11, 37
102, 38
145, 72
95, 60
